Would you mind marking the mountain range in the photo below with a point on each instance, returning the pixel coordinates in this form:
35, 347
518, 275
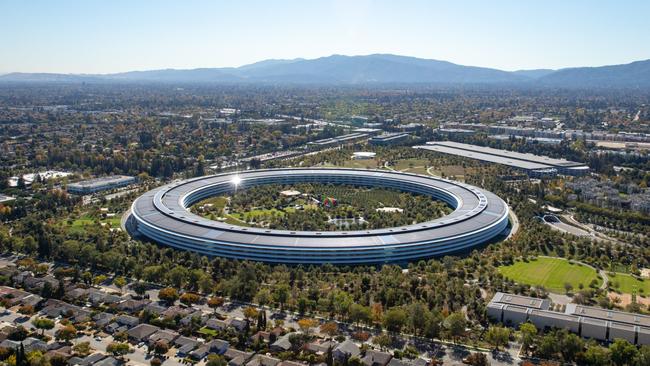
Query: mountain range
369, 69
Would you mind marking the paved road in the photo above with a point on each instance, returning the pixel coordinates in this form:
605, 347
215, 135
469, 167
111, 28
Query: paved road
555, 223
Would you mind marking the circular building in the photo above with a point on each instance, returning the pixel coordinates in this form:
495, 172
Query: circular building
162, 215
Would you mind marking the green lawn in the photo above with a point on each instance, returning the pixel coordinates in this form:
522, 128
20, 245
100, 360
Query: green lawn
552, 273
249, 215
208, 331
627, 284
80, 224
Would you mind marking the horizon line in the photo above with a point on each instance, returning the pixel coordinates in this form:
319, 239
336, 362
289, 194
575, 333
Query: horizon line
2, 73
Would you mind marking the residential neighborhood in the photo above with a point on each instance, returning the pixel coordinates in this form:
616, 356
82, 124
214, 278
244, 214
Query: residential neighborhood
76, 323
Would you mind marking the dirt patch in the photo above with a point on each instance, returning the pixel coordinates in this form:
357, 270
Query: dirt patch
626, 299
645, 272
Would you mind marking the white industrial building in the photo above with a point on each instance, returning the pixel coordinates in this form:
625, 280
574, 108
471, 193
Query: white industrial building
586, 321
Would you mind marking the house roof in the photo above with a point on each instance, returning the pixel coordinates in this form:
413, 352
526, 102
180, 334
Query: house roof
374, 357
348, 347
142, 331
262, 360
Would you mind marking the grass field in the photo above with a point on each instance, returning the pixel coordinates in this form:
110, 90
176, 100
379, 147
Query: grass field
552, 273
628, 284
361, 164
415, 166
80, 224
255, 214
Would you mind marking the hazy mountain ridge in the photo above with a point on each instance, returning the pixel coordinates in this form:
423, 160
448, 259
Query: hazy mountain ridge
377, 68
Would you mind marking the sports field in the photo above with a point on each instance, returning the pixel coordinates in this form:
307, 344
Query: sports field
552, 273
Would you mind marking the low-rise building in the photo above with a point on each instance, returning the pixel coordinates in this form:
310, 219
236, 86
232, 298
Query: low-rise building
100, 184
586, 321
345, 350
141, 332
387, 139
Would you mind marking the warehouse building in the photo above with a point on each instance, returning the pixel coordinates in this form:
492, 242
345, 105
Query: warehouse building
586, 321
534, 165
100, 184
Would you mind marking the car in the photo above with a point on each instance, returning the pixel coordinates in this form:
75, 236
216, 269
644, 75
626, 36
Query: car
98, 338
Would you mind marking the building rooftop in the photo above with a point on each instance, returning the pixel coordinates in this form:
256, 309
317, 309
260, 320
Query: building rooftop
520, 164
539, 159
610, 315
98, 182
529, 302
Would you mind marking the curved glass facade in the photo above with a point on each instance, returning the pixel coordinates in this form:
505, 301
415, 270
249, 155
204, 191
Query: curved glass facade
478, 216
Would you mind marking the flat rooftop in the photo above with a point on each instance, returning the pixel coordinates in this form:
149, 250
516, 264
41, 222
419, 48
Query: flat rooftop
512, 155
96, 182
521, 164
512, 299
390, 136
610, 315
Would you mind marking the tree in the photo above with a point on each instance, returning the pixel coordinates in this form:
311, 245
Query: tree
190, 298
329, 356
528, 333
281, 294
596, 356
43, 324
243, 286
418, 315
99, 279
120, 282
548, 346
382, 340
497, 336
643, 356
570, 345
377, 313
622, 352
359, 313
261, 319
140, 288
215, 302
168, 295
178, 276
82, 349
394, 319
568, 287
250, 313
263, 297
118, 349
330, 328
477, 359
155, 362
306, 324
455, 325
160, 348
67, 333
21, 358
206, 284
216, 360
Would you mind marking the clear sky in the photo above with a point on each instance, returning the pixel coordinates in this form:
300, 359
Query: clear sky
93, 36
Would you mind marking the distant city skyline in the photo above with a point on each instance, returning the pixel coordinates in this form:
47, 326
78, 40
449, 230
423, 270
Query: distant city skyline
76, 36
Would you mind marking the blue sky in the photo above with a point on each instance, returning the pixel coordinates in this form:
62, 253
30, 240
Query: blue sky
92, 36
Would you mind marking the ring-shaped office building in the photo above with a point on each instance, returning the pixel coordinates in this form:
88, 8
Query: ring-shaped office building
162, 215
